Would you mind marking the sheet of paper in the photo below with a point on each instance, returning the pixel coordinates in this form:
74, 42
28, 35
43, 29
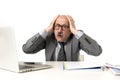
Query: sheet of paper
115, 71
117, 66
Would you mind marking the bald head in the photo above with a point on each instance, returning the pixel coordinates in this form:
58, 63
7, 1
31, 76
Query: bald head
62, 16
62, 19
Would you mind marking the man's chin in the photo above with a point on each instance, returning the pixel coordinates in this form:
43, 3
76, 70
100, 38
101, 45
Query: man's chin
60, 40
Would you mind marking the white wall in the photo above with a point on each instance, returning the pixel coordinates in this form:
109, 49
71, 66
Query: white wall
100, 19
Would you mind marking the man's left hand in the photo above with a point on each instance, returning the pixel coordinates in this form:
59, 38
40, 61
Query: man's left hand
72, 24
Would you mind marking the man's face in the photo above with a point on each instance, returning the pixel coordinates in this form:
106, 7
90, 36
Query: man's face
62, 29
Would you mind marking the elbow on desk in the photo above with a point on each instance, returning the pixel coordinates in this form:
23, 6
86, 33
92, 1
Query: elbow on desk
98, 52
26, 50
95, 52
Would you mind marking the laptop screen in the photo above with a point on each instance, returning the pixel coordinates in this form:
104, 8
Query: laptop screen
8, 53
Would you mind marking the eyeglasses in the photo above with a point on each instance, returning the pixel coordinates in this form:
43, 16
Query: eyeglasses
63, 27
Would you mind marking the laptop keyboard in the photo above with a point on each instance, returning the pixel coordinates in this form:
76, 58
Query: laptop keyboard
32, 67
25, 67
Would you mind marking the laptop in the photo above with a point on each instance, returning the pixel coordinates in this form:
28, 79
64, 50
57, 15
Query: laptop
9, 56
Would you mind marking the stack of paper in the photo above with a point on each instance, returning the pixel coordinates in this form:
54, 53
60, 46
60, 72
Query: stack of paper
91, 65
114, 68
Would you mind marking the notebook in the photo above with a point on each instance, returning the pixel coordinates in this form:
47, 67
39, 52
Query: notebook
9, 55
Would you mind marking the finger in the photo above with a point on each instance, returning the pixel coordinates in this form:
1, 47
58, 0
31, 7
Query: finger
71, 19
54, 19
68, 19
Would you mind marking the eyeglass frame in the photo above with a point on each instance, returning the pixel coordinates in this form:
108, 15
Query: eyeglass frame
63, 27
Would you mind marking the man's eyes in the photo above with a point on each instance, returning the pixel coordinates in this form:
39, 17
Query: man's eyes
58, 25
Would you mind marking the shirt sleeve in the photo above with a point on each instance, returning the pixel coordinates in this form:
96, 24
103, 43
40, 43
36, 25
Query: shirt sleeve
43, 33
79, 34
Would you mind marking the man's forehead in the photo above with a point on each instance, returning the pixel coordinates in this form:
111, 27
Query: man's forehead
61, 19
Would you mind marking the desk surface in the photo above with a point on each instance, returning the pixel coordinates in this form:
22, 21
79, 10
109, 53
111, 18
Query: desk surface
57, 73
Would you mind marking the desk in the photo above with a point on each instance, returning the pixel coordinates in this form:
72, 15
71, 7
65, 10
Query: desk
57, 73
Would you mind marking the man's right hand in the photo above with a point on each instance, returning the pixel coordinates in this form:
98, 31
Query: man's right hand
50, 27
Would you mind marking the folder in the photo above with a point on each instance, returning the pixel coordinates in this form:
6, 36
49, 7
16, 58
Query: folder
81, 65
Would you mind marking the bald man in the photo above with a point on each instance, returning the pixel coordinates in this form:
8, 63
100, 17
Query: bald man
62, 41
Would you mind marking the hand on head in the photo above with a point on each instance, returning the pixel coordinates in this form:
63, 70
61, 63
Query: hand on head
51, 26
71, 24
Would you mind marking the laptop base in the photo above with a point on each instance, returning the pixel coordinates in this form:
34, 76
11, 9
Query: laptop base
23, 67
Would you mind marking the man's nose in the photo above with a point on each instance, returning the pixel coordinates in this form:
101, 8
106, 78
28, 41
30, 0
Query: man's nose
60, 29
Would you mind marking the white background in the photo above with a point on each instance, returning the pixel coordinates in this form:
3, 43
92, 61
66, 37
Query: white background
100, 19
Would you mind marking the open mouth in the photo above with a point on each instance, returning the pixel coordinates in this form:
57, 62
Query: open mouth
60, 34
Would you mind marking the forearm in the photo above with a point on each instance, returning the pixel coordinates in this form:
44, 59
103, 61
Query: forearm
34, 44
89, 45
